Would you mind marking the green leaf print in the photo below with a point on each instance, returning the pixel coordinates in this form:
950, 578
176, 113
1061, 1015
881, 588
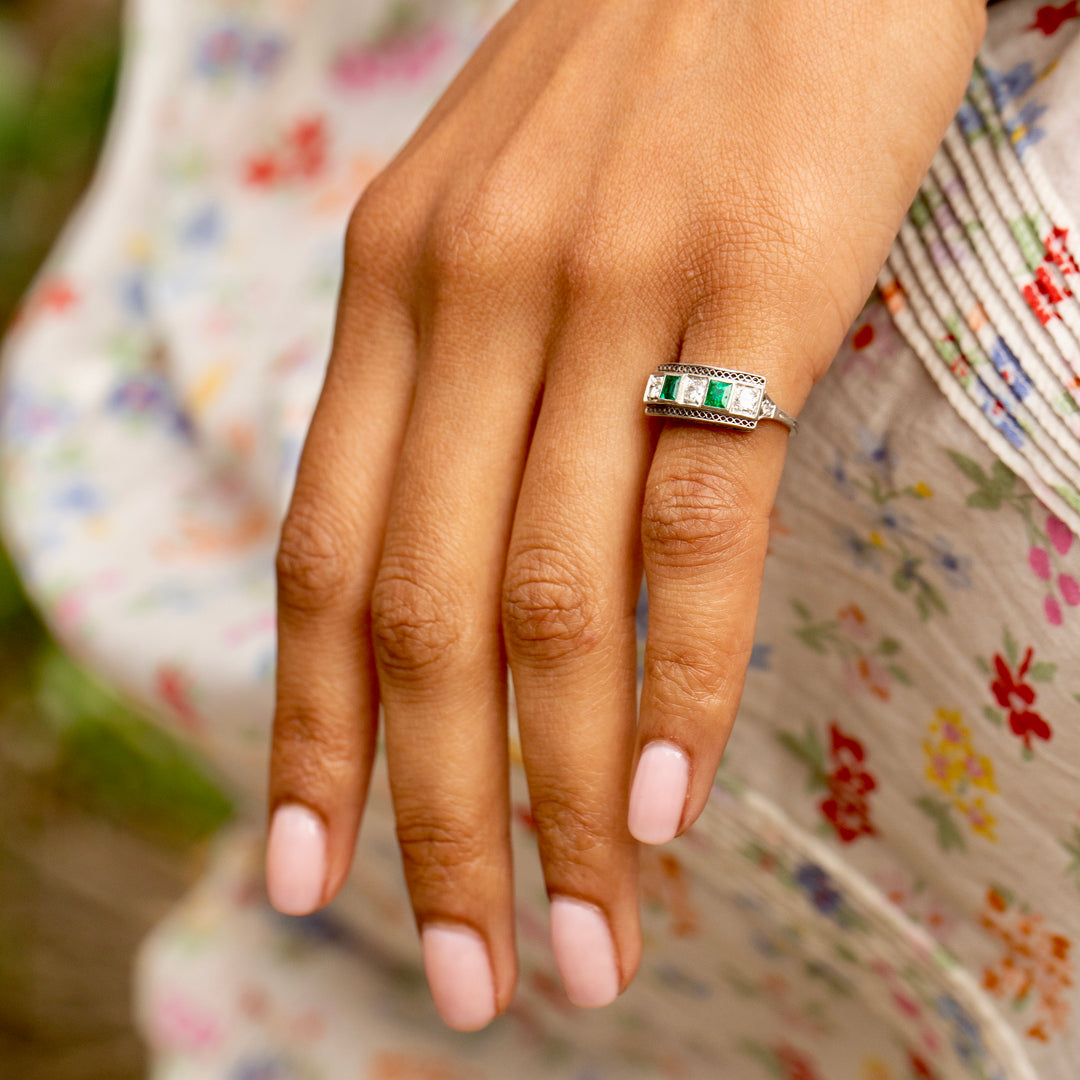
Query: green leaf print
971, 469
949, 836
984, 500
888, 647
1012, 650
1002, 480
900, 675
995, 716
810, 752
1072, 846
1043, 671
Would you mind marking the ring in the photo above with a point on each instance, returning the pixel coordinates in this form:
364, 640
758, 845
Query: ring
712, 395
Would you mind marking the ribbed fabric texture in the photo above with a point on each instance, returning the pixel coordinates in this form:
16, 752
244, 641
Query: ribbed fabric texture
979, 283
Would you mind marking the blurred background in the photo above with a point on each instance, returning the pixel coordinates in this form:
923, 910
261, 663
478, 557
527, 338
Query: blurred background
103, 820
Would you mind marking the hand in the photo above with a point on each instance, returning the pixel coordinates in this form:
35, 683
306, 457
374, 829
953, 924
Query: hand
607, 185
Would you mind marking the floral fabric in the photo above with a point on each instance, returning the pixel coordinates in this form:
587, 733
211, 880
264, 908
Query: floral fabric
884, 885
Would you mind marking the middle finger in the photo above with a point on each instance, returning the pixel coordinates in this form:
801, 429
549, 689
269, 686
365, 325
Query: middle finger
442, 673
570, 595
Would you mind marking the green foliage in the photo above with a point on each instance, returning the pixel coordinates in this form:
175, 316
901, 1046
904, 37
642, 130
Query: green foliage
116, 764
53, 113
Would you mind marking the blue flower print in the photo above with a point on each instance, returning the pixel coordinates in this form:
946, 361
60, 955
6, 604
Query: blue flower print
817, 884
1022, 128
957, 568
262, 1069
861, 549
1011, 84
1008, 367
761, 657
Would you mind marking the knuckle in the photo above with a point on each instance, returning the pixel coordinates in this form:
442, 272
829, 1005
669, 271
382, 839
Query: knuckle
548, 612
416, 624
694, 516
311, 750
570, 832
599, 265
690, 676
312, 565
488, 238
379, 229
439, 851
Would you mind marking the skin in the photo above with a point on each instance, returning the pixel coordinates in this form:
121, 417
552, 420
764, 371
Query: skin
606, 186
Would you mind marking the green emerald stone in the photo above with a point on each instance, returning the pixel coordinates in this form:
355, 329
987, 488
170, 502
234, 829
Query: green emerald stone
719, 392
671, 387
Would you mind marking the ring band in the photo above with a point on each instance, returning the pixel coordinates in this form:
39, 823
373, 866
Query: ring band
713, 396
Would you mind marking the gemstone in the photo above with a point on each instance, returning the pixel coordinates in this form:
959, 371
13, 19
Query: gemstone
692, 391
671, 387
718, 393
745, 400
652, 391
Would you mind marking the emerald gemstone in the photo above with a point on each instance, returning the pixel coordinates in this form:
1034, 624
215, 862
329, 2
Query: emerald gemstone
717, 397
671, 387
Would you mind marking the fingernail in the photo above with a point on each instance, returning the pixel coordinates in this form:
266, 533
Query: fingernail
458, 971
584, 952
658, 796
296, 860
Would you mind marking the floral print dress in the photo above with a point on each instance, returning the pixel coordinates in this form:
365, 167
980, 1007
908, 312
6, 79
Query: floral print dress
886, 883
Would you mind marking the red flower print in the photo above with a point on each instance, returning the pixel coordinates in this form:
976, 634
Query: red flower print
301, 155
1016, 695
1035, 302
919, 1068
846, 806
261, 171
797, 1065
1049, 19
174, 688
57, 296
1058, 253
862, 337
1048, 288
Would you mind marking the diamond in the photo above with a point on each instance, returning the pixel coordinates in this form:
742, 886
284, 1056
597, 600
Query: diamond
717, 396
692, 391
745, 400
671, 387
652, 391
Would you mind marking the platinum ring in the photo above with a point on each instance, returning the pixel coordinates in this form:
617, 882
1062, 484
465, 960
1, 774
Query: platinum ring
712, 395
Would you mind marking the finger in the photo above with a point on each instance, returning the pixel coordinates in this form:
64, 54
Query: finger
570, 596
705, 530
441, 667
325, 717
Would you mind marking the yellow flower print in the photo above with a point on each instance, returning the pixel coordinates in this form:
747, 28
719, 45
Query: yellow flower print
876, 1069
979, 771
978, 817
923, 490
949, 726
955, 767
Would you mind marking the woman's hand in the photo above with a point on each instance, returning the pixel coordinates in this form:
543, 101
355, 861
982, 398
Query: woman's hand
606, 186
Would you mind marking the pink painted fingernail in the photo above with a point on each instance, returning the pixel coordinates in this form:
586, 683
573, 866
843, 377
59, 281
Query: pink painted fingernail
658, 797
458, 971
296, 860
584, 952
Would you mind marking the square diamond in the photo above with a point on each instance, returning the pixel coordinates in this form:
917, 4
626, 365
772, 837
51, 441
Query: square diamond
745, 400
656, 384
692, 390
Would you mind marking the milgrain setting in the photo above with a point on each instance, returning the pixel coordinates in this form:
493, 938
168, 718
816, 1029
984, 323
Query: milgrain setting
712, 395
